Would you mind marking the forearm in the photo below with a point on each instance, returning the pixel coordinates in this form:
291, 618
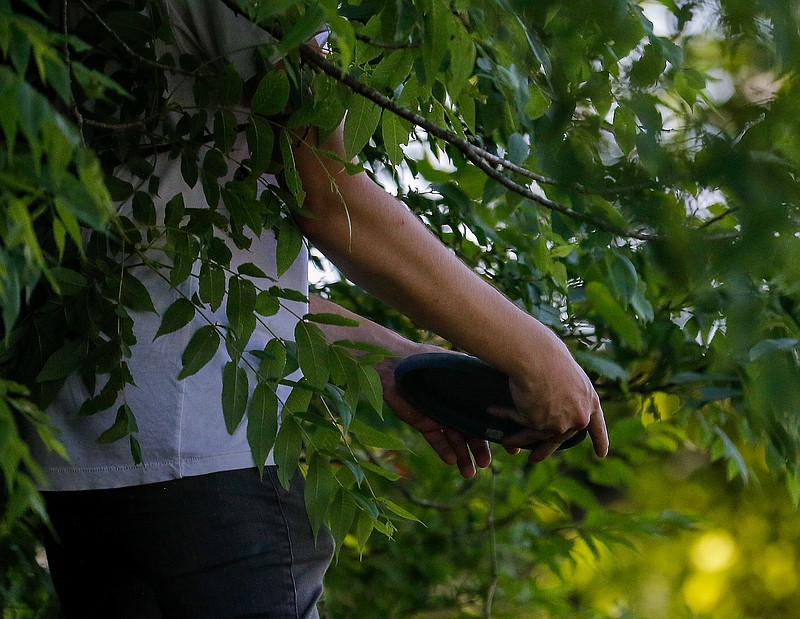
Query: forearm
367, 331
380, 245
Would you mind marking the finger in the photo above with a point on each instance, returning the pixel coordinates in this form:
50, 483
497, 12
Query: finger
545, 449
481, 452
463, 457
599, 433
525, 437
431, 430
441, 446
504, 412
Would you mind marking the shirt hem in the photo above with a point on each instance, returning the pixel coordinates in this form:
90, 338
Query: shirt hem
67, 478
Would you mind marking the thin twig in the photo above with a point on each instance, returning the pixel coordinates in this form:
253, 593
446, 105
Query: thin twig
126, 47
487, 611
719, 217
441, 507
134, 124
68, 58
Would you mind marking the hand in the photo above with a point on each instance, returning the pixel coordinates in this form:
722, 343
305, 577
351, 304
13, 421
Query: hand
556, 400
450, 445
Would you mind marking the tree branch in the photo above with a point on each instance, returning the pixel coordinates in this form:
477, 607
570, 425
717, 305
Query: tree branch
480, 157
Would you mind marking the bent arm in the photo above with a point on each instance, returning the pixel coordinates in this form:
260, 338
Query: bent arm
377, 243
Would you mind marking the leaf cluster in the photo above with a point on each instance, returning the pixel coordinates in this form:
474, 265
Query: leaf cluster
578, 155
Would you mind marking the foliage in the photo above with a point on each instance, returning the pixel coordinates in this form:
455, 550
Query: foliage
629, 181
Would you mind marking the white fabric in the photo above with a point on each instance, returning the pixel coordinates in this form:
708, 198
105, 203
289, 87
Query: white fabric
181, 427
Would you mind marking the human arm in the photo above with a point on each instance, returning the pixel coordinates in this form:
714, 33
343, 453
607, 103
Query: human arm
377, 243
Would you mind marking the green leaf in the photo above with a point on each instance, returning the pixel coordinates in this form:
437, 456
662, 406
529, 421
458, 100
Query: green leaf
518, 149
241, 303
767, 346
601, 364
312, 350
273, 360
69, 282
320, 486
365, 524
341, 515
304, 29
360, 123
288, 447
190, 171
267, 304
298, 401
199, 351
290, 173
326, 318
339, 405
614, 314
177, 315
438, 30
70, 222
136, 449
214, 167
398, 511
134, 295
262, 422
288, 294
538, 103
229, 87
370, 387
649, 68
272, 94
260, 143
212, 285
250, 270
124, 424
64, 361
144, 210
174, 210
625, 128
370, 437
290, 242
394, 132
340, 359
235, 392
378, 470
462, 60
225, 130
392, 70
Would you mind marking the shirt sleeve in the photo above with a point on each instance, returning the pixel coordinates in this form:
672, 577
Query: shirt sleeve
210, 30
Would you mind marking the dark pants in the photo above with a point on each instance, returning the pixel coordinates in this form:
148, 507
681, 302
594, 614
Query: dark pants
222, 545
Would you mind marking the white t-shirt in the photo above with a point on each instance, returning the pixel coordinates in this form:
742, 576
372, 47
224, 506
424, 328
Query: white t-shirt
181, 427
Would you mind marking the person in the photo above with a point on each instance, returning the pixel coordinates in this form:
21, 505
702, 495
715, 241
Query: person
194, 531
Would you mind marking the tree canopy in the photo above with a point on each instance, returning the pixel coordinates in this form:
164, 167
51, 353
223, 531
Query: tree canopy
625, 171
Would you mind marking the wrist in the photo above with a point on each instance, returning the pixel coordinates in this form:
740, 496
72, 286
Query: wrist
535, 349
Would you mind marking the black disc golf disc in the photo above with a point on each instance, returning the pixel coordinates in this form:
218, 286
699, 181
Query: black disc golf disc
457, 390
